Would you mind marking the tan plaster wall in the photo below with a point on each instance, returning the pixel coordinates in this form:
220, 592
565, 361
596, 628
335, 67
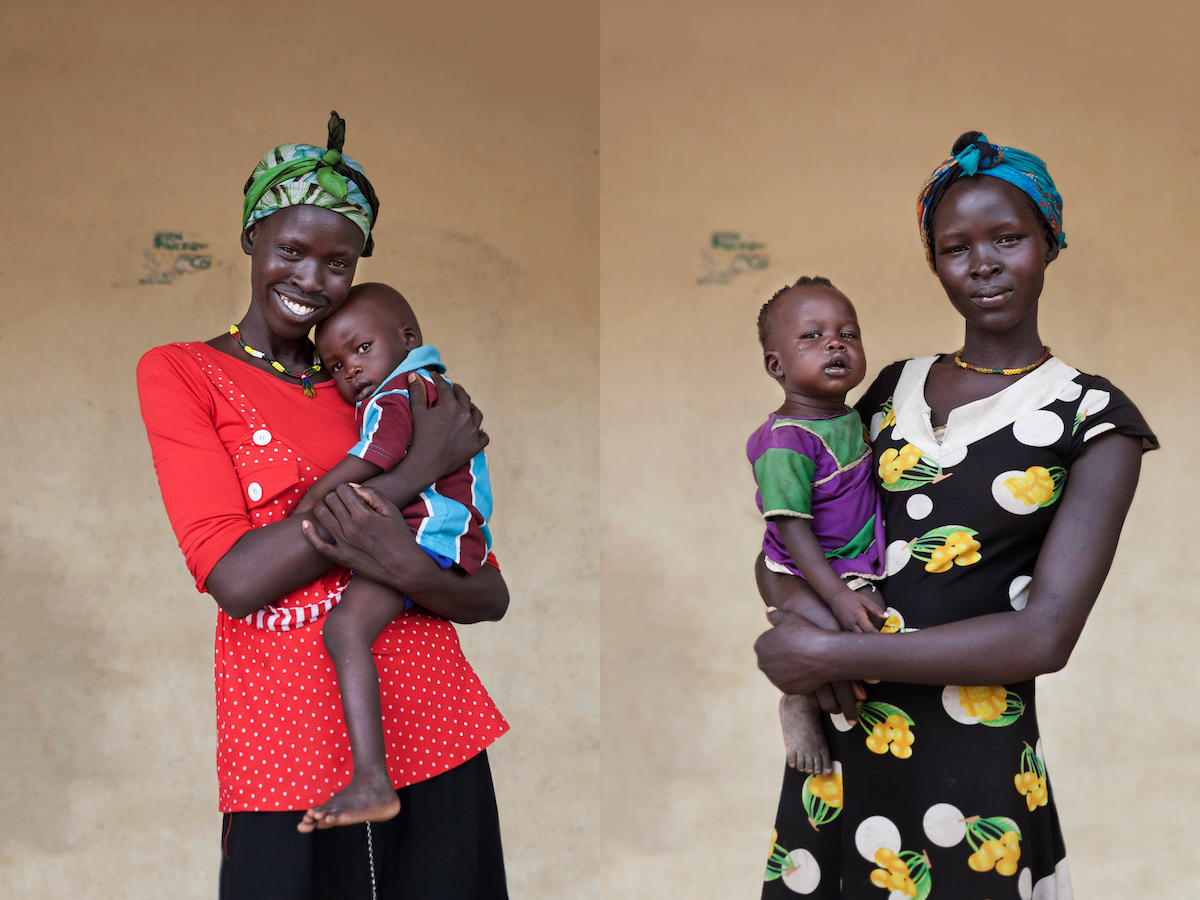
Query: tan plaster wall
811, 126
477, 123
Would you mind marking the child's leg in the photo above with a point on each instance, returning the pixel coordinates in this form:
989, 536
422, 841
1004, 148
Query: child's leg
799, 714
350, 629
803, 734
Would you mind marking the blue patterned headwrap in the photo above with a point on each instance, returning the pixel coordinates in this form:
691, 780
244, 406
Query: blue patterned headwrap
301, 174
973, 155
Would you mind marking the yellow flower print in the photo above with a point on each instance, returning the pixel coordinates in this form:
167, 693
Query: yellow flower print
964, 547
908, 468
1039, 486
997, 845
986, 703
893, 874
827, 788
992, 705
881, 420
947, 546
1031, 780
893, 462
1033, 488
906, 872
888, 728
822, 797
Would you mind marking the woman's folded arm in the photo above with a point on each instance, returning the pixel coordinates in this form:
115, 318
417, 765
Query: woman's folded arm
1002, 648
366, 533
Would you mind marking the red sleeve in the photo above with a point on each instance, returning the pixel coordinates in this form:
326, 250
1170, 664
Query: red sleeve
492, 561
200, 488
387, 431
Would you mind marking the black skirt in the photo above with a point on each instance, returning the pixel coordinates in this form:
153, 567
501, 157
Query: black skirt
444, 845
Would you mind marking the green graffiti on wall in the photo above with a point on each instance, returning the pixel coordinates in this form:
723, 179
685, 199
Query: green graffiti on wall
730, 254
171, 255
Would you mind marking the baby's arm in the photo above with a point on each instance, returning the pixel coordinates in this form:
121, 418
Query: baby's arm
350, 470
853, 610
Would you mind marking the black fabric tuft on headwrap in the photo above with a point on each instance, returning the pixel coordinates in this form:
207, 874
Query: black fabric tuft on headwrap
337, 139
966, 139
988, 154
337, 132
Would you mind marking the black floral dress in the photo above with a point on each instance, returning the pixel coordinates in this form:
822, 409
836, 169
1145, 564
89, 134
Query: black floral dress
942, 791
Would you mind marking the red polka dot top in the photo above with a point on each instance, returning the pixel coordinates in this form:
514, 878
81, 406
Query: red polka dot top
235, 448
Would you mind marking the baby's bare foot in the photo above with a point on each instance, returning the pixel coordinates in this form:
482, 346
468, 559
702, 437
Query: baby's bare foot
364, 799
803, 735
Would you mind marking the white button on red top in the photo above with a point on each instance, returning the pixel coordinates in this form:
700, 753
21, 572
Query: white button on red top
254, 491
262, 437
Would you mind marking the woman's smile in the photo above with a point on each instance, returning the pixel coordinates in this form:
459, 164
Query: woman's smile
301, 308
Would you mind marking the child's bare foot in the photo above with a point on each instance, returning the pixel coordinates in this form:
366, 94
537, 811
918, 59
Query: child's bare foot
803, 735
364, 799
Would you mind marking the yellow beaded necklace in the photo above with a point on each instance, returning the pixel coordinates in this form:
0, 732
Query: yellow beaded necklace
304, 375
982, 371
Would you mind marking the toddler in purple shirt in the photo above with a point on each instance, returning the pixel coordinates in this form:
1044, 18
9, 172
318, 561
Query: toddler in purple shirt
812, 463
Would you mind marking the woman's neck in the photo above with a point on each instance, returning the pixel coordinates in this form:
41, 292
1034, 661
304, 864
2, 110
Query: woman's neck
1010, 349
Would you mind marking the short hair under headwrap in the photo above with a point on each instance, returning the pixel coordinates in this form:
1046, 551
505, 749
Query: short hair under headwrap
301, 174
973, 155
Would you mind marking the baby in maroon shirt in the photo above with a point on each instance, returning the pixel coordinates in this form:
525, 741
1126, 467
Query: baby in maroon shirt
372, 347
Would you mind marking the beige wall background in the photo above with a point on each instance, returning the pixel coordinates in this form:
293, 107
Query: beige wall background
478, 124
810, 127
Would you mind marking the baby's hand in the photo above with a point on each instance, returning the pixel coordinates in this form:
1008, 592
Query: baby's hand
854, 609
306, 504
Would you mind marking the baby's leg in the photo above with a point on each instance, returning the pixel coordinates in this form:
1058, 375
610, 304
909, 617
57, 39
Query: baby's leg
799, 714
803, 734
350, 629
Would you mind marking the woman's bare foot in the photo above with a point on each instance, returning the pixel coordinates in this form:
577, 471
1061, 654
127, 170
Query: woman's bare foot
364, 799
803, 735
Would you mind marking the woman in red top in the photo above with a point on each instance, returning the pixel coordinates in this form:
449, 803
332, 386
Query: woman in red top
239, 426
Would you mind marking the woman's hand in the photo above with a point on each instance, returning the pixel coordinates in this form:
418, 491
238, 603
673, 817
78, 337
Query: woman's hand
998, 648
790, 655
789, 594
368, 534
447, 434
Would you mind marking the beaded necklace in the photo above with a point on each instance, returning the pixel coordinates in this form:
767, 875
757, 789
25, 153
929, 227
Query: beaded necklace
305, 383
982, 371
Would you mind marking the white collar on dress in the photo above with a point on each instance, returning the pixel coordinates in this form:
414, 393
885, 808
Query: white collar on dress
972, 421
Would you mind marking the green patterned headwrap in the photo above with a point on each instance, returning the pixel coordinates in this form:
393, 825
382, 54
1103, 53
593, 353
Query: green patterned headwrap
301, 174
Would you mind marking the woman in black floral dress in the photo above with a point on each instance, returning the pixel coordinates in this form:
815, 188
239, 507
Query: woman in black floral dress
1006, 476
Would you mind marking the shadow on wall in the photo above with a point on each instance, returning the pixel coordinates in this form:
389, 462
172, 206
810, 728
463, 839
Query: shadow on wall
654, 685
57, 698
453, 279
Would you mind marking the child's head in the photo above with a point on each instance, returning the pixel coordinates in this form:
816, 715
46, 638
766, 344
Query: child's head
369, 335
811, 341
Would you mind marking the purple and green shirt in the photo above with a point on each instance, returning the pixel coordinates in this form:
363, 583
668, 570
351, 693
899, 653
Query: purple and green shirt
820, 469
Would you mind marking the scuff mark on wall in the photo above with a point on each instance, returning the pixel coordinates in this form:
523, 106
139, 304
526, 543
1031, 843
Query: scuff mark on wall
730, 254
172, 255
